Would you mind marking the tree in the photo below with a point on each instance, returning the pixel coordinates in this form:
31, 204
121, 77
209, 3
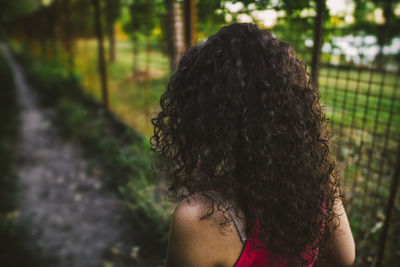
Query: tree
174, 32
207, 15
12, 10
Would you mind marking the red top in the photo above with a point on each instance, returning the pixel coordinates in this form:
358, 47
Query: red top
256, 257
252, 256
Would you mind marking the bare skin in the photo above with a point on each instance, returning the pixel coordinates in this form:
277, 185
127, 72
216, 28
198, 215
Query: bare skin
343, 251
202, 243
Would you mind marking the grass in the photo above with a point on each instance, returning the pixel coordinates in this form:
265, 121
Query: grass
127, 88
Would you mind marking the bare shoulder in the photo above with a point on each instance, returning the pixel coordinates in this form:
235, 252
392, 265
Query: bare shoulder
189, 208
198, 241
189, 219
193, 208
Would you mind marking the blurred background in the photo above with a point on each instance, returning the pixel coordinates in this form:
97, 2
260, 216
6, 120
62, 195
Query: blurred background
81, 79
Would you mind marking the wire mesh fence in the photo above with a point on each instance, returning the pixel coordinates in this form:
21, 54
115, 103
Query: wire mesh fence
359, 87
364, 106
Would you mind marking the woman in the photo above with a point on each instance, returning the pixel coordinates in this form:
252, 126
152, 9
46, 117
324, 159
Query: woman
244, 139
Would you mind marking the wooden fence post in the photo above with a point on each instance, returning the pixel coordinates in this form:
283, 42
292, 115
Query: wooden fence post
68, 34
389, 208
318, 41
189, 7
101, 57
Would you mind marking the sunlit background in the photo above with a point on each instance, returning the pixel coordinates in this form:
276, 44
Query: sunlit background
81, 80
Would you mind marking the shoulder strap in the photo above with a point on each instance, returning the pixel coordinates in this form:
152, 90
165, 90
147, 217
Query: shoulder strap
236, 221
239, 225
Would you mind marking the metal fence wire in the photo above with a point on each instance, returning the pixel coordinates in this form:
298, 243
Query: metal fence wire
359, 87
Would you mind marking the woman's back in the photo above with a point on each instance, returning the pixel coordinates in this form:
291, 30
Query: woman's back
189, 212
196, 241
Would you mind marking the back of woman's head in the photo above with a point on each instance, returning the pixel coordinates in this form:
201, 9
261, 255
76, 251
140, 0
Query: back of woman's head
240, 115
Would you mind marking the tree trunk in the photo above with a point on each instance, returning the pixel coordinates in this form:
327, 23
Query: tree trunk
112, 45
394, 188
101, 56
174, 33
26, 35
52, 18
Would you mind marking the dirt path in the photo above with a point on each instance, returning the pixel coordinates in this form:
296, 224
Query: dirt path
74, 222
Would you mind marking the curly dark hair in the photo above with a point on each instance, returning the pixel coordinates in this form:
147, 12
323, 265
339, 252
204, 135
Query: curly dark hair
241, 115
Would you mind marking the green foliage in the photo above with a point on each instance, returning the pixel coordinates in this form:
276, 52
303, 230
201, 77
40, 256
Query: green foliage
11, 10
384, 32
295, 7
291, 7
51, 78
147, 201
206, 12
144, 16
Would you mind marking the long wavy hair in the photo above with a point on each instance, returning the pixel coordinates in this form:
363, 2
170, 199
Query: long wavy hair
241, 115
